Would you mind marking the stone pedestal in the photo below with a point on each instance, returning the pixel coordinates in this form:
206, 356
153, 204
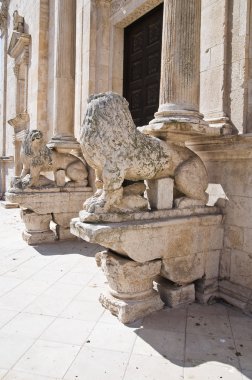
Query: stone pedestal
42, 207
130, 294
185, 244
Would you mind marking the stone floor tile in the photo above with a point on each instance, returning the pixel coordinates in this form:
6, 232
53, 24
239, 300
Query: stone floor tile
212, 325
6, 316
27, 325
246, 375
20, 375
112, 337
63, 291
143, 367
16, 300
166, 319
47, 276
47, 305
203, 309
212, 371
244, 353
47, 359
87, 311
90, 293
33, 286
203, 348
94, 363
70, 331
2, 373
241, 326
12, 348
107, 317
8, 283
167, 344
77, 278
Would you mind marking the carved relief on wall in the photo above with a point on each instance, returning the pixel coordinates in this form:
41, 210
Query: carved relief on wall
19, 50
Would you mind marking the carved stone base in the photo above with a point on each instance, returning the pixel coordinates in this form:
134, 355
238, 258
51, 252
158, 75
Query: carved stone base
128, 311
8, 205
130, 294
174, 295
34, 238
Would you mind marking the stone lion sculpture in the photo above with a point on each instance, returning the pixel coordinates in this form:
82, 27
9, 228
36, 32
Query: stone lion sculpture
117, 150
37, 157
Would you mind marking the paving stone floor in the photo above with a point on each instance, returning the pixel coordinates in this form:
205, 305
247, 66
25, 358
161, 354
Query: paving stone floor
53, 327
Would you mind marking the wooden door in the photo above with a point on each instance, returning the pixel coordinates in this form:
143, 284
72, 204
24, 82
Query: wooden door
142, 60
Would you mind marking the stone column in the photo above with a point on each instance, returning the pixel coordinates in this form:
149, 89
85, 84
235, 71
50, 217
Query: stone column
180, 75
64, 72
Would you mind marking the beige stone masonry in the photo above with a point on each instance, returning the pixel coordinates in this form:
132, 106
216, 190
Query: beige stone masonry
130, 286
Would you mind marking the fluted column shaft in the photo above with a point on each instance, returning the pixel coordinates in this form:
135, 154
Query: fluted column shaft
180, 62
64, 70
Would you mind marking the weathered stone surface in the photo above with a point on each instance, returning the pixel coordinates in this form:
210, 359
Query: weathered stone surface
127, 278
206, 290
113, 146
166, 238
128, 311
51, 199
173, 295
160, 193
130, 285
34, 238
36, 222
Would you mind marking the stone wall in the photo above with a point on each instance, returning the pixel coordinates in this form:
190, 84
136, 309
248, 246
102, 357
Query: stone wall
226, 63
229, 165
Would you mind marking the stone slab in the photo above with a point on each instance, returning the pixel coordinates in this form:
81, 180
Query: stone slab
129, 311
51, 201
160, 193
151, 239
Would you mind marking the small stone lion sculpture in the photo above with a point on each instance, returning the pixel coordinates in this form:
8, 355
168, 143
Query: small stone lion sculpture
37, 157
117, 150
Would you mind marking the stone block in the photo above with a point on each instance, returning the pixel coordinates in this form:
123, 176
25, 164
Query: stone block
127, 278
212, 263
174, 295
64, 233
60, 178
160, 193
184, 270
233, 237
8, 205
130, 286
34, 238
206, 290
225, 263
241, 268
36, 222
63, 219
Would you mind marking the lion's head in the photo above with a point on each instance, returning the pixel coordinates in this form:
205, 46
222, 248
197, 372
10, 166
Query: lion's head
35, 149
107, 121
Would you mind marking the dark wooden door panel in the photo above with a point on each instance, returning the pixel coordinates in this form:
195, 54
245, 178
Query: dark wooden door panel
142, 59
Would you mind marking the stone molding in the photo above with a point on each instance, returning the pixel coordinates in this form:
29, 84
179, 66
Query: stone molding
235, 147
124, 14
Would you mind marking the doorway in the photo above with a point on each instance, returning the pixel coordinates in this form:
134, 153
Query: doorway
142, 62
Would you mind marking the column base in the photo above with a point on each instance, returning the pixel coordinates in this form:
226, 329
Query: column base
34, 238
64, 144
128, 311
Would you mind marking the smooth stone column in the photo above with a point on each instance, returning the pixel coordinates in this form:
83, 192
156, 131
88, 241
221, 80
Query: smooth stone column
64, 72
180, 63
